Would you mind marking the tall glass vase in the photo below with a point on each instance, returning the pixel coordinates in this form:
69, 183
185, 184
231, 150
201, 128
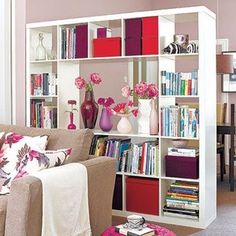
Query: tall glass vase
144, 109
40, 50
105, 122
89, 110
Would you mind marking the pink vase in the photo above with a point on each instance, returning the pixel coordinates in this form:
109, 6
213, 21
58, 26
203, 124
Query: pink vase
89, 110
153, 118
105, 122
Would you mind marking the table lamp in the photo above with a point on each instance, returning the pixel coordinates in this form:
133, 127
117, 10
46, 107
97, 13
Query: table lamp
224, 64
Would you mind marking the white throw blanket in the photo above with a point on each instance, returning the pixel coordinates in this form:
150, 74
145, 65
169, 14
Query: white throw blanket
65, 201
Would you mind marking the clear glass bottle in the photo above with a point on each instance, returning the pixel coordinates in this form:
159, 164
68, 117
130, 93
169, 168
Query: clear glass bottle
40, 50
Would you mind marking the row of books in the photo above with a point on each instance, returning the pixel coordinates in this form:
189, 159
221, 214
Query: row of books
68, 43
141, 158
182, 200
43, 114
43, 84
74, 42
179, 83
180, 121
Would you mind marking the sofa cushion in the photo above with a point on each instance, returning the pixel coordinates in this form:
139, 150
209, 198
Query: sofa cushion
78, 140
32, 161
36, 161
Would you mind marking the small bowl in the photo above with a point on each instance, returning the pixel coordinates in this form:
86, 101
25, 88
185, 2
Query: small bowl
179, 143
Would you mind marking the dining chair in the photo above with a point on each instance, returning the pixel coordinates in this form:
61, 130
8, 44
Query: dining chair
221, 118
232, 156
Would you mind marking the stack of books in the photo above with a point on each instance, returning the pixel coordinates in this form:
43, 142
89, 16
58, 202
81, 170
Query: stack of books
183, 152
134, 232
182, 200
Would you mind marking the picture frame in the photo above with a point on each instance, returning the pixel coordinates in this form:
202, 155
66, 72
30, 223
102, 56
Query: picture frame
228, 81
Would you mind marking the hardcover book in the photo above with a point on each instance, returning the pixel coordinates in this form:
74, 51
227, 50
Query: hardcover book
134, 232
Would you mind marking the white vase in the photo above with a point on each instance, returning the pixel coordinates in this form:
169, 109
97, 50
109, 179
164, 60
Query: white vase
124, 126
144, 109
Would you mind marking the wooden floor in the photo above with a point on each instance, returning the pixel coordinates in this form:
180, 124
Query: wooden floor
225, 223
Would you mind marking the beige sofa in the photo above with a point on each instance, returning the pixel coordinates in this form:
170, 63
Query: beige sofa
21, 210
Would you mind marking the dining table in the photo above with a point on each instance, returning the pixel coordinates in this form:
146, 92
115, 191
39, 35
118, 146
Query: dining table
229, 129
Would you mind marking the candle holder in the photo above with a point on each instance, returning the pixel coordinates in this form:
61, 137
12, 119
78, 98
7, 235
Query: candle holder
71, 125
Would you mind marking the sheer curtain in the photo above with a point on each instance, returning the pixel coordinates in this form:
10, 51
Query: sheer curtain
5, 62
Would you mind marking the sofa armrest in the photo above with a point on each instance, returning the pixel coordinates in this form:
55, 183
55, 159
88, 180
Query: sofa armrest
24, 208
101, 181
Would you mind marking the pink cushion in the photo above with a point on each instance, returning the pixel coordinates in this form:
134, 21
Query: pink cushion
160, 231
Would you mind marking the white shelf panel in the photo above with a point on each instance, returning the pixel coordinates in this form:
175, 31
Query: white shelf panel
43, 97
116, 133
181, 179
139, 175
178, 96
180, 55
43, 61
119, 58
170, 137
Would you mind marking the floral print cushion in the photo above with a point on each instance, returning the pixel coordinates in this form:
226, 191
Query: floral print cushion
31, 161
13, 148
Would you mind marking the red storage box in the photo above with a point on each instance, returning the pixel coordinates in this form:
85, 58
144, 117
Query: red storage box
142, 195
182, 167
150, 45
150, 26
107, 47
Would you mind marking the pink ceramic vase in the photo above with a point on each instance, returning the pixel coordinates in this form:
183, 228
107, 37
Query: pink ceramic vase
124, 126
153, 118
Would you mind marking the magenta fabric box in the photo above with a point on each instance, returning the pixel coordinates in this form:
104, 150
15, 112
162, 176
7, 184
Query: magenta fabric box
81, 41
102, 32
182, 167
133, 28
133, 46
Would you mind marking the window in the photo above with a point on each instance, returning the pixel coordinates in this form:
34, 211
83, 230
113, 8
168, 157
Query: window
5, 61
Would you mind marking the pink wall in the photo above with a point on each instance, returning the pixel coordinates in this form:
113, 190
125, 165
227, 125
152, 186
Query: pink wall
60, 9
44, 10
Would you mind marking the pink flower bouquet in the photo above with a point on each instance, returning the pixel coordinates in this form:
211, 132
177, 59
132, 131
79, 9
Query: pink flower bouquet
125, 108
81, 83
141, 90
106, 103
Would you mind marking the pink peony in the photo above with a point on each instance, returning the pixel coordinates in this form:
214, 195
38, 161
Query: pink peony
80, 82
95, 78
135, 112
141, 89
120, 108
152, 91
106, 102
126, 91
